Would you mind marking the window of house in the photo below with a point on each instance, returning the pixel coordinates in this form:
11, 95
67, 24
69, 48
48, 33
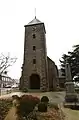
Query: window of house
34, 61
34, 47
34, 36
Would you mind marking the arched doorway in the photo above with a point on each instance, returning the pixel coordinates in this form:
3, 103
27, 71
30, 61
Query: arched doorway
34, 81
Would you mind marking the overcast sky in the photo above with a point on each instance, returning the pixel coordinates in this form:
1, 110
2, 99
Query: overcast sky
61, 18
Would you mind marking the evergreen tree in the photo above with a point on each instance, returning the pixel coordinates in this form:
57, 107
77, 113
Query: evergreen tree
73, 60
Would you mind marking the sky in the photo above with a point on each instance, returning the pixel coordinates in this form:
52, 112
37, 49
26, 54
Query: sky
61, 19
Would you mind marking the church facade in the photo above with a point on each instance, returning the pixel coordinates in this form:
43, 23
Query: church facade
39, 72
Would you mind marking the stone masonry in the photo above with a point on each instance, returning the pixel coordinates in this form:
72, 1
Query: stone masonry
35, 65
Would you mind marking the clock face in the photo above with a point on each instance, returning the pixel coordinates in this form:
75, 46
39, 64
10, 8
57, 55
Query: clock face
34, 28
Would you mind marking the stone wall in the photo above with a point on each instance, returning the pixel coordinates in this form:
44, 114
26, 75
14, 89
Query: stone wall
53, 74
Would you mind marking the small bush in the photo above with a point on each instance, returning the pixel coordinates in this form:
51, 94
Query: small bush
45, 99
25, 90
42, 107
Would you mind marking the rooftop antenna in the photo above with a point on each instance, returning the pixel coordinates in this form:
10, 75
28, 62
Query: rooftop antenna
35, 13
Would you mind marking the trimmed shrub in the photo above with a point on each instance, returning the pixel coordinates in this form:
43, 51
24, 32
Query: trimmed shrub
42, 107
45, 99
25, 90
27, 104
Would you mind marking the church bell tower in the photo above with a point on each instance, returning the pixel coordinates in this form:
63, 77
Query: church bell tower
34, 69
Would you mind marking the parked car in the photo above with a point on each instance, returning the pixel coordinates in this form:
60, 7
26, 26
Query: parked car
8, 86
14, 86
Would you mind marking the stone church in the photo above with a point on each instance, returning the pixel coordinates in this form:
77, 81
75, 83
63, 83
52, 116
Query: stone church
39, 72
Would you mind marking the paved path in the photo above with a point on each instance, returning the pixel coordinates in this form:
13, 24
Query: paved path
12, 114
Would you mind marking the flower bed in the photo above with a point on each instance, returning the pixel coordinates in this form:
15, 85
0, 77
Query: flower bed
5, 105
26, 109
51, 114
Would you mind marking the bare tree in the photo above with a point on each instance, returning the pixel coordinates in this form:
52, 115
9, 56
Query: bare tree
6, 62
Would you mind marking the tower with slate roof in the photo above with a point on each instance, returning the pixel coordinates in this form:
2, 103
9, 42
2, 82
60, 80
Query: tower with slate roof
34, 69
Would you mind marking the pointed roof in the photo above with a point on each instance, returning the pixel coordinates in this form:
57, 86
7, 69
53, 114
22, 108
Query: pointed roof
34, 21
